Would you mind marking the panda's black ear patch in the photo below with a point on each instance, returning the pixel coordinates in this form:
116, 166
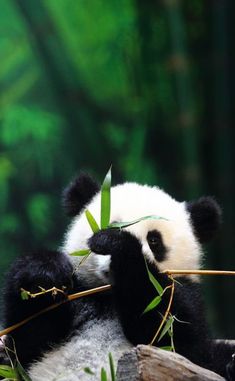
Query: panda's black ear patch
78, 193
205, 215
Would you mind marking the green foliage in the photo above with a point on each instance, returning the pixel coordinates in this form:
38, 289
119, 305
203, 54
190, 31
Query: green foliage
112, 367
15, 372
8, 372
104, 206
167, 327
103, 375
39, 209
28, 124
88, 371
98, 49
92, 222
154, 281
105, 200
80, 253
24, 295
121, 225
153, 304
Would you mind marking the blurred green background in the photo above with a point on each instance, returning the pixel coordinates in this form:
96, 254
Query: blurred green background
145, 85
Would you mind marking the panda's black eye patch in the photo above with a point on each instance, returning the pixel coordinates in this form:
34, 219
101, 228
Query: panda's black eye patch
156, 245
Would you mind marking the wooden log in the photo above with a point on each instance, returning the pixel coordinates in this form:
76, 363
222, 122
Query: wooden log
147, 363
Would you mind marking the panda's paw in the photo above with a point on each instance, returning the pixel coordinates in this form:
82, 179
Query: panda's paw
38, 272
231, 369
114, 241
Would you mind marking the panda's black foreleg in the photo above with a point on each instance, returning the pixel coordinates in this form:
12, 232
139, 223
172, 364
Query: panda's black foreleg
34, 272
132, 288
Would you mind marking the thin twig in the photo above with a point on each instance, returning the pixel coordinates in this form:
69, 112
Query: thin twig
54, 291
55, 305
167, 311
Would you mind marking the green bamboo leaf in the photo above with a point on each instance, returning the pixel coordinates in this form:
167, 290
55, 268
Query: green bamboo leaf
105, 200
104, 375
153, 304
121, 225
22, 372
88, 371
167, 326
92, 222
167, 348
8, 372
154, 281
24, 295
80, 253
112, 368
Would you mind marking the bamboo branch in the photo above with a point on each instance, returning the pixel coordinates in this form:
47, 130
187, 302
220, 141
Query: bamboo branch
54, 291
166, 313
197, 272
55, 305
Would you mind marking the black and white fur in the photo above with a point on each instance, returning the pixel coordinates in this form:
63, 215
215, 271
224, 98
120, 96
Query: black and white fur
58, 345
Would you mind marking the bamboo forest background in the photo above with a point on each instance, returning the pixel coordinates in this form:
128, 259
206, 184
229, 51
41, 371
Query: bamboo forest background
145, 85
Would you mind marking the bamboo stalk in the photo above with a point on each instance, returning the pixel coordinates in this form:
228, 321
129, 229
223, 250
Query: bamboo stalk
198, 272
89, 292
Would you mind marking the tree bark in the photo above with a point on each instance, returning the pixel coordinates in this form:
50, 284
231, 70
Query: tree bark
147, 363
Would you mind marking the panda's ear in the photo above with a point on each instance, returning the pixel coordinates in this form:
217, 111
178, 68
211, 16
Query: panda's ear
78, 193
205, 214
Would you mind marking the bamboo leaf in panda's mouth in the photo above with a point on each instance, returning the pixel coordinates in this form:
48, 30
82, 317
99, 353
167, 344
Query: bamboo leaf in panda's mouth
126, 224
105, 200
80, 253
92, 222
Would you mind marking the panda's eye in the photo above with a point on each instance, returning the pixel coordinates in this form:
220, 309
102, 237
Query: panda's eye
154, 237
156, 245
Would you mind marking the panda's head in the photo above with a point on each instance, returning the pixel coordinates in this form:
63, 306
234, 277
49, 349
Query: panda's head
173, 242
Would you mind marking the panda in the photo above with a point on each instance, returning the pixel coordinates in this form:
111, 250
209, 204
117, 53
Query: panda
62, 343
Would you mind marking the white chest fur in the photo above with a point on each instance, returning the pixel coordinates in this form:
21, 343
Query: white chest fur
88, 348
